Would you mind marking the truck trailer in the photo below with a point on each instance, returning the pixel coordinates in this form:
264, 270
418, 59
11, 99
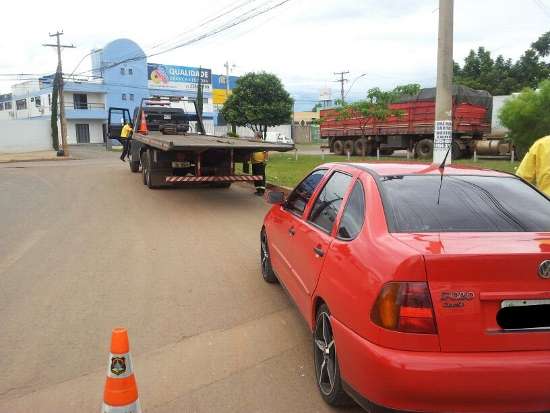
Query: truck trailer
170, 146
413, 128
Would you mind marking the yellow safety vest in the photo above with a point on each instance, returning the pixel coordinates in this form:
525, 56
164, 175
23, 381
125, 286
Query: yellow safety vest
259, 157
126, 129
535, 166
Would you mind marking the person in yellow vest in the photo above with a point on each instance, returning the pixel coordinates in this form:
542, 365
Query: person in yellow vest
124, 140
535, 166
259, 160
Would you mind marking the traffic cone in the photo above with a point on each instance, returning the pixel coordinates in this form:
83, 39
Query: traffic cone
121, 394
143, 124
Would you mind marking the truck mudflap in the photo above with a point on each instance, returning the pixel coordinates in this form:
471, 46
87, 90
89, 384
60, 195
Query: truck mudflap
204, 179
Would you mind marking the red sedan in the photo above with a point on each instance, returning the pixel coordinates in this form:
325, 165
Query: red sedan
425, 290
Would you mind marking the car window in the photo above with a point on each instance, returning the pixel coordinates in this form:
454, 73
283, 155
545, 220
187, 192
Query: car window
415, 203
354, 213
326, 206
301, 195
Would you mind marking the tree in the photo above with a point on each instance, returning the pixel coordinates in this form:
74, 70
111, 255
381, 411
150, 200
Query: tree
376, 105
526, 116
258, 102
502, 76
53, 119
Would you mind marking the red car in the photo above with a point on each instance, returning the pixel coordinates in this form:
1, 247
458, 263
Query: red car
425, 289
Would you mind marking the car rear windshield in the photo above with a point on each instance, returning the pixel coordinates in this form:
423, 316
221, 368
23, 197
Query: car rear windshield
425, 203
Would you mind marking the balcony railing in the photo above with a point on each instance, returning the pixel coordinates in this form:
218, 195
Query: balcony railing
85, 106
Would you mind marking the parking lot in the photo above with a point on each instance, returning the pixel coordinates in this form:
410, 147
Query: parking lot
86, 247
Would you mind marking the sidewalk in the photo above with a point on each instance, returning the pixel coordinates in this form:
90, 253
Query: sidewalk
31, 156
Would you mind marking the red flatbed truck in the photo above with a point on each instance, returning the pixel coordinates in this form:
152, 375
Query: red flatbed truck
414, 129
170, 153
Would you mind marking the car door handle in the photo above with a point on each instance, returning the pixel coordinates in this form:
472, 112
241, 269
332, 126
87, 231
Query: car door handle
291, 231
319, 251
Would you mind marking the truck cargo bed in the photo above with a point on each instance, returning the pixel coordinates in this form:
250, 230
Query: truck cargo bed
196, 142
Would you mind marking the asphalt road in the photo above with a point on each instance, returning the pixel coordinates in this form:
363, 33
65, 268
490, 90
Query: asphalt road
86, 247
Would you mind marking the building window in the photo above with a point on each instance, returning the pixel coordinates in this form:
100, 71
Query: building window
37, 101
7, 105
132, 97
124, 96
130, 71
80, 101
122, 71
1, 106
21, 104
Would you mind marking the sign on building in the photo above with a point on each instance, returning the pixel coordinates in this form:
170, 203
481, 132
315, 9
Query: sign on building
219, 88
178, 77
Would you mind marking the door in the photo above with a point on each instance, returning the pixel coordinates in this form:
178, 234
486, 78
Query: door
281, 228
82, 133
312, 237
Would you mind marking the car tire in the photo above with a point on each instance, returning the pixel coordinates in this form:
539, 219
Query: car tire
265, 260
134, 166
424, 149
327, 370
338, 147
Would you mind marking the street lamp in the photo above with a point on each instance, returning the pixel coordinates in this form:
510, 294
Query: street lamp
353, 83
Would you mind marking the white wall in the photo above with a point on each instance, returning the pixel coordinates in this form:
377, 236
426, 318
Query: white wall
96, 130
25, 135
245, 132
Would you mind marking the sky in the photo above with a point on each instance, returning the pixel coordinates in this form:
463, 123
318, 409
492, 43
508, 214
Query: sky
304, 42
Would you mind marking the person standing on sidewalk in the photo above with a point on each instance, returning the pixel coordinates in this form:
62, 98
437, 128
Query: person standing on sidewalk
535, 166
125, 135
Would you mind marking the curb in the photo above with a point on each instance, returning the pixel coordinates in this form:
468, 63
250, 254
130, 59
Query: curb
59, 158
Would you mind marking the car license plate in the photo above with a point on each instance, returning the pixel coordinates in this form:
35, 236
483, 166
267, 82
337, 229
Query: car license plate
181, 164
167, 117
523, 303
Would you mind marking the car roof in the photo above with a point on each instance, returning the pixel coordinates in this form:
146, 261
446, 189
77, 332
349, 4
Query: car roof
416, 168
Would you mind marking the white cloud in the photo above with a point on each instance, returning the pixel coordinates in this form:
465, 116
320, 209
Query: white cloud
303, 42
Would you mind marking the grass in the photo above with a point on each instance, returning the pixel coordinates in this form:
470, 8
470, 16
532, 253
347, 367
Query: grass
283, 169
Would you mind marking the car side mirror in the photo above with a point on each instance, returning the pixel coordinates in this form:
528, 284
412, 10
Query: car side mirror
275, 197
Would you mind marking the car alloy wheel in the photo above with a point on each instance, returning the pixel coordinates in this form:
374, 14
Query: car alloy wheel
327, 369
325, 354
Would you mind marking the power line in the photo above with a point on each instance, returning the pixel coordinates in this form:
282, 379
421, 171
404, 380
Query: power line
226, 26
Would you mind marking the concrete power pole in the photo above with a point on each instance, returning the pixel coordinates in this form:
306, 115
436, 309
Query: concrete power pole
443, 128
62, 119
342, 80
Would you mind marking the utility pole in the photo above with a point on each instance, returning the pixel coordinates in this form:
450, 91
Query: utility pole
342, 80
443, 128
62, 119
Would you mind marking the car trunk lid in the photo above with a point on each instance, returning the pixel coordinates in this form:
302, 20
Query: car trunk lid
486, 289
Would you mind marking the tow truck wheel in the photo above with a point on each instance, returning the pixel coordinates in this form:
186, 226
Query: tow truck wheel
134, 166
144, 168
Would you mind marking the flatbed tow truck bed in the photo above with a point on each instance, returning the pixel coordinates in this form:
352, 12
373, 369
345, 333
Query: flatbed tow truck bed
196, 142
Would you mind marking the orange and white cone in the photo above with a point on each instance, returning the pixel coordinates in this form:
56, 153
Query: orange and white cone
143, 124
121, 394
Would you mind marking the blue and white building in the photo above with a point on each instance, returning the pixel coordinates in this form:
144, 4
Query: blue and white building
120, 77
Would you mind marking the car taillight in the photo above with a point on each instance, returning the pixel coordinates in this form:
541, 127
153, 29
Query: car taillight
405, 307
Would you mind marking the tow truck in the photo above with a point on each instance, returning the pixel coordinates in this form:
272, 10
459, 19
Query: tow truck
171, 147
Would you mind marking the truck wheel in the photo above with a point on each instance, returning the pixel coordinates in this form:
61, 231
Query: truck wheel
361, 147
348, 147
134, 166
456, 152
144, 168
147, 170
338, 147
424, 149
